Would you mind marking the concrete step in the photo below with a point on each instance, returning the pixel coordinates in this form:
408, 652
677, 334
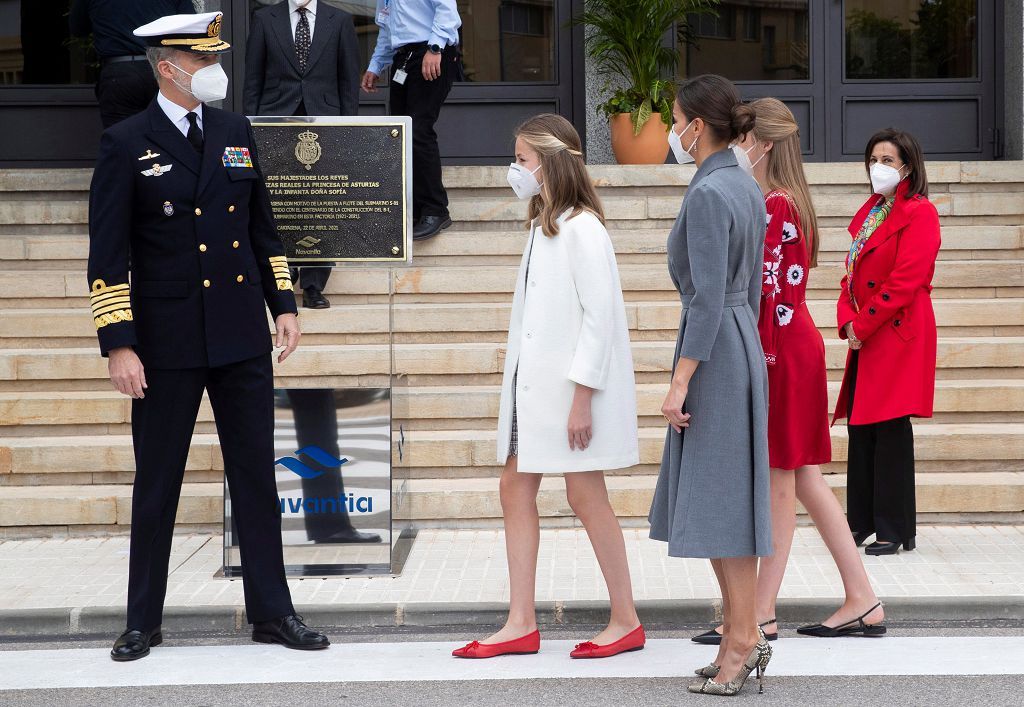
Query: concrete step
473, 358
1002, 442
451, 501
73, 327
425, 406
631, 245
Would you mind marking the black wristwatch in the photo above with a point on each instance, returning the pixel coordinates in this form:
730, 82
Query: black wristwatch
435, 48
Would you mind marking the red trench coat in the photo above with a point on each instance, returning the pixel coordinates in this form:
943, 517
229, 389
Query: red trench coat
896, 322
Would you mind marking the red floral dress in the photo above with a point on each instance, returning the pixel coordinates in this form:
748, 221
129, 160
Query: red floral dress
793, 348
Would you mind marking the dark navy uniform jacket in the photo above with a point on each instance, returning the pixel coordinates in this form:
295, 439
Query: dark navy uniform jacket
184, 256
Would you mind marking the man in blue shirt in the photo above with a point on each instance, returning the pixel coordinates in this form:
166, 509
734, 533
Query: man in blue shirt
419, 39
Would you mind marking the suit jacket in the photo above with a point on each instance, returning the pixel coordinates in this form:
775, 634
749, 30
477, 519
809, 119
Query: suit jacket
892, 281
273, 83
197, 238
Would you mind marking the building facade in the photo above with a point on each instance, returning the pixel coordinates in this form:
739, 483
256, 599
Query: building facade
948, 70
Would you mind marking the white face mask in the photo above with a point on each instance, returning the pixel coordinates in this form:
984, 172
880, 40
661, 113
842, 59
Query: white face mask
522, 181
210, 83
743, 158
885, 179
682, 155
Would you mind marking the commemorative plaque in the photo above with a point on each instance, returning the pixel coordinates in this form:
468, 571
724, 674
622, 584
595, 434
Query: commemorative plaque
340, 187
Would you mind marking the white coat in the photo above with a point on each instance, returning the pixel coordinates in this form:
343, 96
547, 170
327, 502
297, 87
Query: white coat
569, 326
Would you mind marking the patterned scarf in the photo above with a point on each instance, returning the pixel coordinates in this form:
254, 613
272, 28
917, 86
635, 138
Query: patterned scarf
876, 216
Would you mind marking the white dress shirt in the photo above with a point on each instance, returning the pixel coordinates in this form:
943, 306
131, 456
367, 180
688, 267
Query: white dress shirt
176, 114
293, 16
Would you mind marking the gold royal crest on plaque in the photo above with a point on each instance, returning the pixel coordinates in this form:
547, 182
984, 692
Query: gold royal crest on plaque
308, 150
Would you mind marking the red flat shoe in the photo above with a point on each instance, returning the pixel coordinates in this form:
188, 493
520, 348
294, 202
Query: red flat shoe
632, 641
525, 645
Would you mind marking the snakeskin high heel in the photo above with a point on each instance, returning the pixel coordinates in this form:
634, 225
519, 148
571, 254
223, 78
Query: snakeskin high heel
758, 659
711, 670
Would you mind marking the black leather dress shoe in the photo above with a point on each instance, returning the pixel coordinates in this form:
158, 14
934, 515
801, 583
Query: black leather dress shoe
134, 644
290, 632
349, 536
430, 226
314, 299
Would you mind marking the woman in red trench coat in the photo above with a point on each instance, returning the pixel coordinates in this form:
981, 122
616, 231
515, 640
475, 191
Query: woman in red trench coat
885, 312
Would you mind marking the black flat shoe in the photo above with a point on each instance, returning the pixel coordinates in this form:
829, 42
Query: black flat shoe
134, 644
860, 538
430, 226
714, 638
314, 299
290, 632
349, 536
850, 628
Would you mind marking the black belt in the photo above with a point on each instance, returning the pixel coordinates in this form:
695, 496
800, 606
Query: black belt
127, 57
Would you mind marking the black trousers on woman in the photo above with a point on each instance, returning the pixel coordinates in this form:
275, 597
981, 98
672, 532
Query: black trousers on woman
880, 492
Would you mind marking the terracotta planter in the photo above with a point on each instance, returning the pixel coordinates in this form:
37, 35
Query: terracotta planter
649, 147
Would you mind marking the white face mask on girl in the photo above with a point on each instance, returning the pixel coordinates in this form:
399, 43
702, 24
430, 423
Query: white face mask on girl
682, 155
743, 158
210, 83
885, 179
522, 181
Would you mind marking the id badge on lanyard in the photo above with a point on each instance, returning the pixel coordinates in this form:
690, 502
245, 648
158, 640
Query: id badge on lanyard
385, 13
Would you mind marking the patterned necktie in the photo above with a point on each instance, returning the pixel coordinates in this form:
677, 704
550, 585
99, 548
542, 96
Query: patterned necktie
195, 135
302, 39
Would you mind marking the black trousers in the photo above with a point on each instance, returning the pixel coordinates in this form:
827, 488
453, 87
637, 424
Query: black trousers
880, 492
124, 89
311, 276
162, 423
421, 100
316, 423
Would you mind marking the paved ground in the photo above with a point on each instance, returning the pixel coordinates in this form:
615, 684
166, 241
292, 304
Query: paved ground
468, 566
950, 665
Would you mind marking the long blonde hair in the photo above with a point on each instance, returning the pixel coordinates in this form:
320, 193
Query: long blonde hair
566, 181
785, 169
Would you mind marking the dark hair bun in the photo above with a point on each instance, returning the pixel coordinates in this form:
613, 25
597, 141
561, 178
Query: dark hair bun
743, 119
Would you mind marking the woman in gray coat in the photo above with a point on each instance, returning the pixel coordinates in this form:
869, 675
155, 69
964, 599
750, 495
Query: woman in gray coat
712, 498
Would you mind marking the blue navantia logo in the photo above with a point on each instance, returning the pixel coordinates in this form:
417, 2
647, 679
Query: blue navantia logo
297, 467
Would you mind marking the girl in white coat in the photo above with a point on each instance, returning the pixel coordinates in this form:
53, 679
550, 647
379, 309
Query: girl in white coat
568, 398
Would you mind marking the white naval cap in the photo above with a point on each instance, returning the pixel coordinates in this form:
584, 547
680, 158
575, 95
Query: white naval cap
187, 33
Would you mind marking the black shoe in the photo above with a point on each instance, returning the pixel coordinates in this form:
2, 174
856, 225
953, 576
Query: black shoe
430, 226
349, 536
714, 638
886, 548
134, 644
860, 537
290, 632
850, 628
314, 299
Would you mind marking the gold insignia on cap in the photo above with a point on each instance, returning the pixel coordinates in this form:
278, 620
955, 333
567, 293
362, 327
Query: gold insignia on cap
213, 30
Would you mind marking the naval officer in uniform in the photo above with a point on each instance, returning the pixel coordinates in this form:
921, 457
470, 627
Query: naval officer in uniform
184, 261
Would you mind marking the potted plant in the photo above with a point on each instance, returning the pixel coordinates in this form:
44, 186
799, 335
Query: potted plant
626, 40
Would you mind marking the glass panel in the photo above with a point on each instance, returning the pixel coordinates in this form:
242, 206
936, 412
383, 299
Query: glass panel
36, 46
911, 39
502, 40
748, 40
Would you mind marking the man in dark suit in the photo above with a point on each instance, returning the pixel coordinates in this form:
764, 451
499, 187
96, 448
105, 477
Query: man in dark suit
178, 203
302, 59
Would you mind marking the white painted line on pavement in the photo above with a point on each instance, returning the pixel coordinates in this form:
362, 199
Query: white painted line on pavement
402, 662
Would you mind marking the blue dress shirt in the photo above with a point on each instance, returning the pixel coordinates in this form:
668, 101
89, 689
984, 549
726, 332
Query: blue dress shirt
404, 22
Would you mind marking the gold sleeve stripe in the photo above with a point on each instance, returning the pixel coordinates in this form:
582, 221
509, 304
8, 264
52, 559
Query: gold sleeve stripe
119, 315
114, 307
108, 297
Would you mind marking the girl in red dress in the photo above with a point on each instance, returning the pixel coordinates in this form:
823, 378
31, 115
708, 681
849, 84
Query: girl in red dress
798, 415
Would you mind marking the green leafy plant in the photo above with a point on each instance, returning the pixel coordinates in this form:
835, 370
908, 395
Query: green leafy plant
626, 40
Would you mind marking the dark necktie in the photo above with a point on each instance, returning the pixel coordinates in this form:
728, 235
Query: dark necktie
302, 39
195, 135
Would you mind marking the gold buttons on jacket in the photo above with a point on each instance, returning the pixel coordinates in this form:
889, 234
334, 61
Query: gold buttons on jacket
231, 209
239, 278
202, 247
206, 283
199, 212
235, 244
